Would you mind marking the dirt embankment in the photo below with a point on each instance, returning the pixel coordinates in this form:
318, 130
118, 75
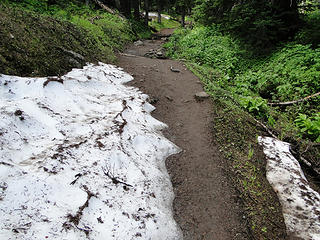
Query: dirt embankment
37, 45
211, 201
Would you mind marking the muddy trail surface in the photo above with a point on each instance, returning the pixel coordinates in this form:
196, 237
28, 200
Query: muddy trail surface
206, 206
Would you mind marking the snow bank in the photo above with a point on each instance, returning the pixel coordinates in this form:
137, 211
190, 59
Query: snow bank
155, 14
300, 203
80, 158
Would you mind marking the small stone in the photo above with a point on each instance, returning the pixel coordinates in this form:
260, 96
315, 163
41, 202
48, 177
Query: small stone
200, 96
174, 69
138, 43
75, 55
169, 98
18, 112
74, 62
153, 100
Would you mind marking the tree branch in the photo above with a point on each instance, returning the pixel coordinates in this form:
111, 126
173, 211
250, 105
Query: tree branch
293, 102
109, 10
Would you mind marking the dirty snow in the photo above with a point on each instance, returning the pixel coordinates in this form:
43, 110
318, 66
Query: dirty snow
81, 158
300, 203
155, 14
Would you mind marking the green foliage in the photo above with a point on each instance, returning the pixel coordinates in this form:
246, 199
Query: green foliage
165, 23
206, 46
258, 24
288, 73
309, 126
310, 33
140, 30
108, 30
255, 105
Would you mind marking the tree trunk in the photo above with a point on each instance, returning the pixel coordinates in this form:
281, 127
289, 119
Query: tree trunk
183, 16
125, 7
118, 4
146, 8
87, 3
287, 12
135, 5
159, 10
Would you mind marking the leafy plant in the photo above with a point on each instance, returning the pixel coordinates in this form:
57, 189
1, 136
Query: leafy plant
309, 126
165, 23
255, 105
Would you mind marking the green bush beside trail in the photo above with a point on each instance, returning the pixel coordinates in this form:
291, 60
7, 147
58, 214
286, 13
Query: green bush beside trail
290, 72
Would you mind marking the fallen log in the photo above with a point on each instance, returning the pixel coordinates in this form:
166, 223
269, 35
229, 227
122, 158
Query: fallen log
293, 102
109, 10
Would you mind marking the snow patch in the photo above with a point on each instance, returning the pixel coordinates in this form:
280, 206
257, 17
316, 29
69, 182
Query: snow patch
155, 14
300, 203
81, 157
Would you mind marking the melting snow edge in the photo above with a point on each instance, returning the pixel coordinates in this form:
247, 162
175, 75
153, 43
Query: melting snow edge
81, 157
300, 203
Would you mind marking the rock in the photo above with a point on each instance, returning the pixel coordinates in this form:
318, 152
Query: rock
159, 54
18, 112
153, 100
138, 43
200, 96
169, 98
74, 63
74, 54
174, 69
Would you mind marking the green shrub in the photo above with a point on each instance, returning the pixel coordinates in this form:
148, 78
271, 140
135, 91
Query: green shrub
255, 105
309, 126
289, 73
206, 46
259, 24
310, 33
165, 23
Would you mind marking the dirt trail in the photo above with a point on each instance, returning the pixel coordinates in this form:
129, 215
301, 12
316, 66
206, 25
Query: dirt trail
206, 205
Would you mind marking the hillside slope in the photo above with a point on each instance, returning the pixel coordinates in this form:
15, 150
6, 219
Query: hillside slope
52, 43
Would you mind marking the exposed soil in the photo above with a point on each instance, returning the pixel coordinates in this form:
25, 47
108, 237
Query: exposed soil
206, 206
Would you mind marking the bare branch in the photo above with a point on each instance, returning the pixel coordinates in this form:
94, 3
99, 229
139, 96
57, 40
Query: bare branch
293, 102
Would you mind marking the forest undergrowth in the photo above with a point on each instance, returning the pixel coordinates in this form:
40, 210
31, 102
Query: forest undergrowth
257, 82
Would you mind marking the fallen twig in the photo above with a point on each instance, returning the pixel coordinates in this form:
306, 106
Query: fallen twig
293, 102
310, 145
109, 10
266, 128
128, 55
114, 179
174, 69
77, 176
